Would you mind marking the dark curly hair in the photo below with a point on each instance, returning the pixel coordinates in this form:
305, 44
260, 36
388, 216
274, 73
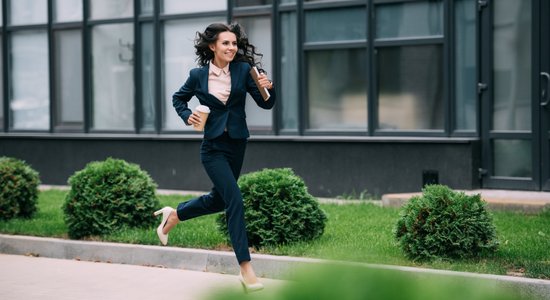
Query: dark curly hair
246, 52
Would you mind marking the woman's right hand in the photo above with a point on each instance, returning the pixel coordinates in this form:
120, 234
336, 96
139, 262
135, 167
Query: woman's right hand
194, 119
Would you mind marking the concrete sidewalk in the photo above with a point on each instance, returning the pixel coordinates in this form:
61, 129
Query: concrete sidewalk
521, 201
29, 278
219, 262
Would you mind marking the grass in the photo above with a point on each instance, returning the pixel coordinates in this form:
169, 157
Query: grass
359, 232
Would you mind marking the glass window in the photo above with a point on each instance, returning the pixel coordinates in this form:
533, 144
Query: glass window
289, 69
113, 77
68, 78
1, 85
512, 158
178, 59
287, 1
24, 12
258, 30
147, 76
111, 9
67, 10
337, 89
252, 2
30, 107
336, 25
181, 7
147, 7
465, 65
512, 65
411, 19
410, 87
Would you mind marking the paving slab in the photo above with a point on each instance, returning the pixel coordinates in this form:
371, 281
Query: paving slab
28, 278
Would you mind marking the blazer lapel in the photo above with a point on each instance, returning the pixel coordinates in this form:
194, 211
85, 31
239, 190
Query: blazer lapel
204, 79
234, 71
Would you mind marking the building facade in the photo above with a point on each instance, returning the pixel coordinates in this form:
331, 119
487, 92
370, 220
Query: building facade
380, 96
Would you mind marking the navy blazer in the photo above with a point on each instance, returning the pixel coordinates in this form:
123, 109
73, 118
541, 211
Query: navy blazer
230, 115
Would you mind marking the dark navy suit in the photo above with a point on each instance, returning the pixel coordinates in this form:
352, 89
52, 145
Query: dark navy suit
223, 147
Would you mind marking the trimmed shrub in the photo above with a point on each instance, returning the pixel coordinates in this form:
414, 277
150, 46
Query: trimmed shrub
278, 209
445, 224
18, 189
106, 196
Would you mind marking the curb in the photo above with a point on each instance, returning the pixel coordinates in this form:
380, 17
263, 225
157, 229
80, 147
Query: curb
270, 266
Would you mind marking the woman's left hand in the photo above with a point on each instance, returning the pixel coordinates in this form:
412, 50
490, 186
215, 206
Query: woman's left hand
265, 82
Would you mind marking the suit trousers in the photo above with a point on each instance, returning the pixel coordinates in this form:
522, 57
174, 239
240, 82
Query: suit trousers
222, 159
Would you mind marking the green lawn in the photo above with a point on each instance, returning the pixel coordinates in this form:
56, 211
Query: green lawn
359, 232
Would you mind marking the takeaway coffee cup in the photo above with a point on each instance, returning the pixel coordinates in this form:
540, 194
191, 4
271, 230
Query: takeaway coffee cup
203, 110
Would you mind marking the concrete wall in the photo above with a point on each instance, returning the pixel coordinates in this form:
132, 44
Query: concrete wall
330, 167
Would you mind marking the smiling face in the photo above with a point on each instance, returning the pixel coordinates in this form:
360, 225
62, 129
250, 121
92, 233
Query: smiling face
224, 48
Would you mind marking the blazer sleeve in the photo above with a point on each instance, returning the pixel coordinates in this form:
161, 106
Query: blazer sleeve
183, 95
252, 89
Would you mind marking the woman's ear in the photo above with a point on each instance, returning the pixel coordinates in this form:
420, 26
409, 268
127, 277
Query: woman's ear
212, 47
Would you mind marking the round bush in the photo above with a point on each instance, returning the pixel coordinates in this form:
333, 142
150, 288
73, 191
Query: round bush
445, 224
18, 189
278, 209
106, 196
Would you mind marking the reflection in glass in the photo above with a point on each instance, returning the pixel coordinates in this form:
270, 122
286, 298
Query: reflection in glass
25, 12
67, 10
410, 87
30, 107
178, 59
258, 30
465, 65
512, 65
110, 9
289, 72
147, 76
512, 158
411, 19
337, 89
113, 73
68, 78
336, 25
182, 7
147, 7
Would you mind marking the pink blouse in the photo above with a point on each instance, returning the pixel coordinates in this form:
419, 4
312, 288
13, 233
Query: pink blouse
219, 82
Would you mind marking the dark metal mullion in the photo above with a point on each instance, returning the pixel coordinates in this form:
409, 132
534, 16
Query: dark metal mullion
335, 4
276, 63
157, 67
230, 4
372, 112
544, 116
251, 11
303, 116
138, 96
485, 45
448, 67
5, 69
536, 121
51, 71
176, 17
112, 21
86, 57
387, 42
335, 45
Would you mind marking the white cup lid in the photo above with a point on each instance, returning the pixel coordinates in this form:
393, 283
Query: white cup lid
203, 109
